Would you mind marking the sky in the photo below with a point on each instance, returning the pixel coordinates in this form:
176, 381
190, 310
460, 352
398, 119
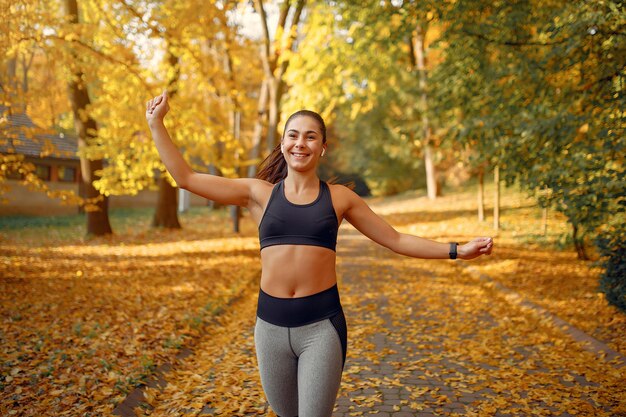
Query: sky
251, 22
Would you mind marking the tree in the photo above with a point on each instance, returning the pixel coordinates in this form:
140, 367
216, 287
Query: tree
29, 90
87, 130
275, 57
419, 55
166, 213
359, 66
540, 97
44, 33
204, 93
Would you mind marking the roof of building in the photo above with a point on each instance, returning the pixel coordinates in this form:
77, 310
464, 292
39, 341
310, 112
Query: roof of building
19, 135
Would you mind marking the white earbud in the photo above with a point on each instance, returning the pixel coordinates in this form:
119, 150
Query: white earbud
323, 150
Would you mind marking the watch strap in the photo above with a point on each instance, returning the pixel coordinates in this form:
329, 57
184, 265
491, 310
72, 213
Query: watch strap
453, 250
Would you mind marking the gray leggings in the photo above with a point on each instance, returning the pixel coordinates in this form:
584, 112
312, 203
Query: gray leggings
301, 366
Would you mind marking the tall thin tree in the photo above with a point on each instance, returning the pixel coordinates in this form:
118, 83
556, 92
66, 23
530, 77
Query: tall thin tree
419, 60
87, 129
166, 213
274, 65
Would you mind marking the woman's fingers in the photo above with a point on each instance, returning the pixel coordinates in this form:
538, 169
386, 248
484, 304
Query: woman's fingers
488, 246
483, 245
157, 106
486, 241
155, 101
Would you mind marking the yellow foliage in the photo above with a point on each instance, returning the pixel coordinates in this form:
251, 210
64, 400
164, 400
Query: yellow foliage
119, 53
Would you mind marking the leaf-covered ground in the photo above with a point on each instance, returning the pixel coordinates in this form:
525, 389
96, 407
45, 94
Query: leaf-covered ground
84, 321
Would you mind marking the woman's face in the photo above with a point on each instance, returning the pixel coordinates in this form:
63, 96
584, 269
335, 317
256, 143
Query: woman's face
302, 143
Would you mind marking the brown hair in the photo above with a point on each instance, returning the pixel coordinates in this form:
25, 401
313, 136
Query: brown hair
274, 167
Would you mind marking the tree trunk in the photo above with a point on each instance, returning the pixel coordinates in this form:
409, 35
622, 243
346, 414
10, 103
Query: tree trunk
235, 125
274, 69
431, 181
255, 152
235, 210
17, 104
496, 198
418, 51
274, 114
544, 220
481, 195
579, 243
86, 129
184, 198
25, 68
213, 170
11, 64
235, 216
166, 214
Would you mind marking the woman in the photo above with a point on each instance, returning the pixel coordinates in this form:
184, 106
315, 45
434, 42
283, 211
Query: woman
300, 331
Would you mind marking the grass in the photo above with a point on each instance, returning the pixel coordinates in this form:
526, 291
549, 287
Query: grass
72, 228
120, 217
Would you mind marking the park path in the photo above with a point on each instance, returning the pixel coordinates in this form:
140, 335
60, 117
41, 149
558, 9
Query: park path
425, 338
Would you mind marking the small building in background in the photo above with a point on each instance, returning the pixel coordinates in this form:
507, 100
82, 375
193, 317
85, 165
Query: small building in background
56, 163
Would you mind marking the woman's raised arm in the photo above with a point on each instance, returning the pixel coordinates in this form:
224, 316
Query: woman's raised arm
219, 189
374, 227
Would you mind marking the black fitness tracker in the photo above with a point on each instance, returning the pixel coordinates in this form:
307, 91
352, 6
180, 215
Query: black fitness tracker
453, 252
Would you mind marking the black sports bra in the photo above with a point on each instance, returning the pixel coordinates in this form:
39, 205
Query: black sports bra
286, 223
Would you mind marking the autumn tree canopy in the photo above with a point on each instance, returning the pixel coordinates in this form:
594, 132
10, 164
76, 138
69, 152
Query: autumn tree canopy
535, 89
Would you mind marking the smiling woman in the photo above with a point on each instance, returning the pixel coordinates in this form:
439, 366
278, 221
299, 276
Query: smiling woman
304, 140
300, 332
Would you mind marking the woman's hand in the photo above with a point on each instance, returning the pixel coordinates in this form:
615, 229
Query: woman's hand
476, 247
157, 108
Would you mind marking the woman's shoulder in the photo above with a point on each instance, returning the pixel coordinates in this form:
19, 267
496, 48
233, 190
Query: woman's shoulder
340, 188
260, 190
255, 183
342, 193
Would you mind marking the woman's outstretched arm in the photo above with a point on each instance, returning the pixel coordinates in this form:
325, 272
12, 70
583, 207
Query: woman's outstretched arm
220, 189
374, 227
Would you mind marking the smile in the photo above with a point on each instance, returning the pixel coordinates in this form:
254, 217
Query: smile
300, 155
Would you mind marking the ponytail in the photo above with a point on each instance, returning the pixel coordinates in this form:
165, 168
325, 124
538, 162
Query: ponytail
274, 167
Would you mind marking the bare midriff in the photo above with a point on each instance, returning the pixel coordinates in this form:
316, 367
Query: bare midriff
290, 271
